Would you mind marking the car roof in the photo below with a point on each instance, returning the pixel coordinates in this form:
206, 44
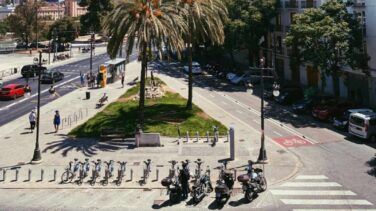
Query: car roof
11, 85
360, 110
364, 115
195, 63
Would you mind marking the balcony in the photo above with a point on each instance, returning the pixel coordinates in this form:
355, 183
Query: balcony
308, 4
291, 4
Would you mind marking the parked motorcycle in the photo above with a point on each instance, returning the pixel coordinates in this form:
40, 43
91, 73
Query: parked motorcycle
202, 184
225, 184
184, 176
172, 183
253, 183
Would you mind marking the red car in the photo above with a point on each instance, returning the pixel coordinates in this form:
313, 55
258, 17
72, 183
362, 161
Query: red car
330, 109
12, 91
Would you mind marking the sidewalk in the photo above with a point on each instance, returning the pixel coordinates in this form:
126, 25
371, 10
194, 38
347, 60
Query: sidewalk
18, 60
58, 149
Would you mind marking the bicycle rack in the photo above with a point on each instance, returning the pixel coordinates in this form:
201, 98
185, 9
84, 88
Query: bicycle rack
41, 175
55, 172
16, 176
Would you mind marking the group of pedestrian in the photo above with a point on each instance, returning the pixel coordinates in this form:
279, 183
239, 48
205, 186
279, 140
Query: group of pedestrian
91, 79
33, 120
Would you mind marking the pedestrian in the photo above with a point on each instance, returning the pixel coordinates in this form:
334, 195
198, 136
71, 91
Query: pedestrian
82, 79
122, 79
27, 90
52, 91
32, 120
56, 121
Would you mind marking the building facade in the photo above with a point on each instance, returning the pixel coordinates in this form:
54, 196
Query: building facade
6, 11
72, 8
51, 11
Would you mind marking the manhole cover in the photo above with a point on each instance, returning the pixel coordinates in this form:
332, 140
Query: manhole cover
136, 163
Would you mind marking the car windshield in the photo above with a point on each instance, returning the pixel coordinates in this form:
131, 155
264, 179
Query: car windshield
48, 72
357, 121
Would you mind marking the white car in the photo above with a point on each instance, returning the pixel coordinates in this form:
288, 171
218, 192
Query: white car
196, 68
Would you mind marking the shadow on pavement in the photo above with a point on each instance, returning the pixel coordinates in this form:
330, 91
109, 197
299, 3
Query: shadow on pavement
86, 147
160, 206
357, 140
216, 206
239, 202
372, 163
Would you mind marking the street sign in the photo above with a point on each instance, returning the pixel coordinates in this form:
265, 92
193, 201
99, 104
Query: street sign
292, 141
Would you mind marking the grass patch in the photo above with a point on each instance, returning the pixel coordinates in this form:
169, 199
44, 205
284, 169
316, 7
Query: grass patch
162, 115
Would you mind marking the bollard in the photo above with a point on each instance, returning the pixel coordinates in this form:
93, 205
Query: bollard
234, 173
4, 174
187, 137
41, 174
232, 143
197, 136
227, 136
87, 111
131, 175
180, 149
157, 175
16, 178
29, 175
55, 172
179, 132
207, 136
216, 134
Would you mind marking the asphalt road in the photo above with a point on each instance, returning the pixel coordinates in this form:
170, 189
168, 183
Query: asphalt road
329, 157
12, 109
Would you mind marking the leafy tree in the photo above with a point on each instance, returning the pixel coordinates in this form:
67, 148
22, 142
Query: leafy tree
67, 29
145, 22
96, 11
205, 20
328, 37
4, 27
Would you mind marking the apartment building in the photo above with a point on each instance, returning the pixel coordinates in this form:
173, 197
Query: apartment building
6, 11
360, 87
72, 8
51, 11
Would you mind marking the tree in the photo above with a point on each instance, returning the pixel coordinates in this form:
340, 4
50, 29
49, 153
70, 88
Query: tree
4, 27
205, 20
67, 29
96, 11
144, 22
328, 37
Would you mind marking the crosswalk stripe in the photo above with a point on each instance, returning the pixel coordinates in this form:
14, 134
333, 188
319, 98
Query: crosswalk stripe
313, 192
335, 209
311, 184
325, 202
311, 177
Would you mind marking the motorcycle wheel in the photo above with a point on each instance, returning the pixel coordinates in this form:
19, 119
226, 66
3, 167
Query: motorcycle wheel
263, 184
248, 195
174, 197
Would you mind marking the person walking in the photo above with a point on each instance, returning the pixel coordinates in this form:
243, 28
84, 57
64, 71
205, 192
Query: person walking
27, 90
32, 120
122, 79
57, 121
82, 79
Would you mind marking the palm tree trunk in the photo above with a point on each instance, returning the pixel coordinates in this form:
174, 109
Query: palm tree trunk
142, 85
190, 75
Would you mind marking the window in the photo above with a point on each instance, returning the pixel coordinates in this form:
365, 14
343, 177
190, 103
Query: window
292, 17
357, 121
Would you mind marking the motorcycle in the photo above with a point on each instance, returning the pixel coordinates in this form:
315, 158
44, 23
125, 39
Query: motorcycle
172, 183
225, 184
202, 184
184, 176
253, 183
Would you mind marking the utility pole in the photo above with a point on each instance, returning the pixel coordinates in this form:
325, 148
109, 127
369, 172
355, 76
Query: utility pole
36, 21
92, 38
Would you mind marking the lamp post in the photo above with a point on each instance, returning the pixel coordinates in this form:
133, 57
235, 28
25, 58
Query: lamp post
36, 21
92, 38
37, 157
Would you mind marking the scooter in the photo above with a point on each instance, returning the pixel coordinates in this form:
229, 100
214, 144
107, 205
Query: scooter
202, 184
253, 183
172, 183
225, 184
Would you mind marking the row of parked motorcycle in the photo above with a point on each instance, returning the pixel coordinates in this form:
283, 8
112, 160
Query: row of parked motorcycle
177, 182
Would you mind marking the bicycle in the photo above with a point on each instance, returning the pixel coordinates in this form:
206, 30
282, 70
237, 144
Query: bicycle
96, 171
121, 172
108, 172
70, 171
147, 170
84, 169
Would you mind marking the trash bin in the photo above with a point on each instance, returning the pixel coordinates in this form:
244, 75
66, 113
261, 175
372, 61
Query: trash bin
87, 95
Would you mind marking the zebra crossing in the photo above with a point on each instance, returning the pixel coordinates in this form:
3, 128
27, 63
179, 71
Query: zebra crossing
318, 193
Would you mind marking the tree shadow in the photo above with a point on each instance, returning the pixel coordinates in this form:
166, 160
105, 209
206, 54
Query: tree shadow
88, 147
372, 163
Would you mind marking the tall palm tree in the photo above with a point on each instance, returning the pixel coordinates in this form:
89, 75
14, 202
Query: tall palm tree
205, 19
144, 22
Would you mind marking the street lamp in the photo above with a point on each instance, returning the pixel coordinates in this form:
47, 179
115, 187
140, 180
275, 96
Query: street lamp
92, 38
37, 157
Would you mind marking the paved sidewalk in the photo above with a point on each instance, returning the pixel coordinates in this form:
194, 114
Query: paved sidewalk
58, 149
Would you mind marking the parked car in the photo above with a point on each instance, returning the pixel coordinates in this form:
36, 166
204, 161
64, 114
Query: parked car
32, 70
51, 76
305, 106
289, 95
330, 109
342, 121
363, 125
12, 91
196, 68
21, 45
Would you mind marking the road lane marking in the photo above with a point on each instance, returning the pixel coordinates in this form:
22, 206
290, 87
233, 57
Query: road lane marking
311, 177
311, 184
326, 202
313, 192
278, 134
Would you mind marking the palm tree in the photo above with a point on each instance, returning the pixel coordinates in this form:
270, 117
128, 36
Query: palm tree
205, 20
145, 22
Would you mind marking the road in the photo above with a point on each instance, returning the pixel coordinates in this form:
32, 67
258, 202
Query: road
12, 109
331, 160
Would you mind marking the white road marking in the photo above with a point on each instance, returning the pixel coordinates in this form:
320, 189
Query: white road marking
313, 192
278, 134
311, 177
326, 202
311, 184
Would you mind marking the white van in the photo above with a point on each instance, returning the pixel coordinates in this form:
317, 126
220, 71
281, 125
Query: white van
363, 125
